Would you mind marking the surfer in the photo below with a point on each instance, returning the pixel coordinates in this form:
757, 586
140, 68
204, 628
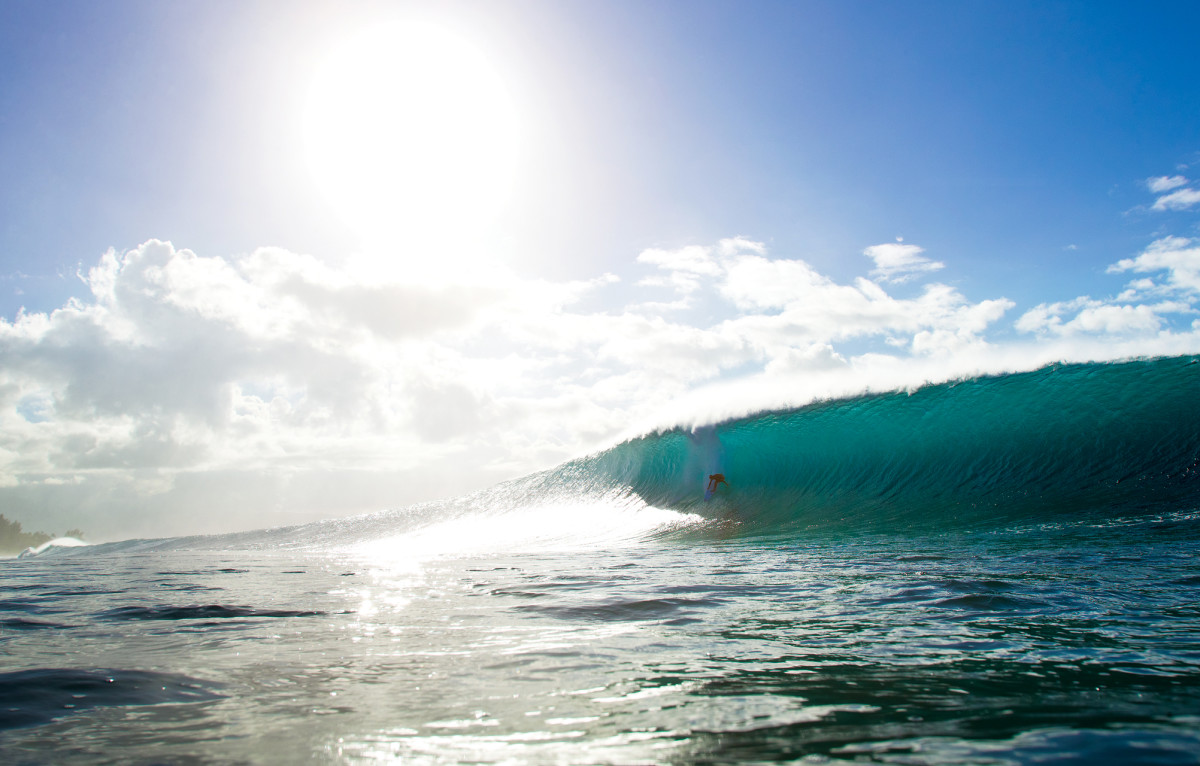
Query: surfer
715, 479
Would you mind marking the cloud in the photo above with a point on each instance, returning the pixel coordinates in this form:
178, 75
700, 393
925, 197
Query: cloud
689, 268
1145, 308
896, 262
182, 364
1177, 256
785, 304
692, 260
1178, 200
1160, 184
1092, 317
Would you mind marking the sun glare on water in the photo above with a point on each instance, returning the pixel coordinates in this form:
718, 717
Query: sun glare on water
411, 135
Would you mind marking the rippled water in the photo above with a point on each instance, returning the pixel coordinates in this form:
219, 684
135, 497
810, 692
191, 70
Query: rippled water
1039, 645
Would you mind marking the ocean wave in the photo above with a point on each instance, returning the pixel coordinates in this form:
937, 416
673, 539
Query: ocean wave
1097, 442
1094, 439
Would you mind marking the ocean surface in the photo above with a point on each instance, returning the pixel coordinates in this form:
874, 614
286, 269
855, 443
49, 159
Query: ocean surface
993, 571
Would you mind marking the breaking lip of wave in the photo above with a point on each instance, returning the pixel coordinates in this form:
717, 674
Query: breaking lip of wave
726, 401
58, 542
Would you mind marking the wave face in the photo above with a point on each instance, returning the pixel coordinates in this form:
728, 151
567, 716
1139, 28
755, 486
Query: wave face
1100, 440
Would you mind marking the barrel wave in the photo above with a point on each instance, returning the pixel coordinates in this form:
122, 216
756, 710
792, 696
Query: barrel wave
1098, 440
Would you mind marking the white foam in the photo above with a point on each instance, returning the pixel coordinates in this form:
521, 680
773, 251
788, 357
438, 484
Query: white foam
550, 525
880, 373
58, 542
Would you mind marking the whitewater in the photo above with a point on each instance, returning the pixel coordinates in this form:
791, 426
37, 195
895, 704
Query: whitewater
994, 570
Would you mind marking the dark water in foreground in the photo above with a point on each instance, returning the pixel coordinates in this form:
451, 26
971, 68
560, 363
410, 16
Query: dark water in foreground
1063, 644
995, 571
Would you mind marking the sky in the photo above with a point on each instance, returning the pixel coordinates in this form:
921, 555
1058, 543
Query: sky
263, 263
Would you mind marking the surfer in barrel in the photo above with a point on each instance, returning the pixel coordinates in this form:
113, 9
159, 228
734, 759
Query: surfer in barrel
715, 479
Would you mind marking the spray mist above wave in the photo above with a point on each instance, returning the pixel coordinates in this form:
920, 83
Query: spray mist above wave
1096, 439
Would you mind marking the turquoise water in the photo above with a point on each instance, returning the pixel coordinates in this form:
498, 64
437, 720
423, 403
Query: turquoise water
999, 571
1099, 440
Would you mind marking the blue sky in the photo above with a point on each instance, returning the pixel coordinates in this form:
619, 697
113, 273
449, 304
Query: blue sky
787, 198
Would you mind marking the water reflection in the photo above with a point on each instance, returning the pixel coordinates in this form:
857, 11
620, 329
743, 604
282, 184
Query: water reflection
646, 652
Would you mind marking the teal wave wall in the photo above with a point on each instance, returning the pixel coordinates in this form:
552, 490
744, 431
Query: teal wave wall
1093, 439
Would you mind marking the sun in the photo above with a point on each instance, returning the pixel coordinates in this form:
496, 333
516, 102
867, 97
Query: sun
410, 134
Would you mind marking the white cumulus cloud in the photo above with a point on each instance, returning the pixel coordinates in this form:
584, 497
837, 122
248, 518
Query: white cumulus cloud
1177, 257
897, 262
1160, 184
1145, 308
1177, 200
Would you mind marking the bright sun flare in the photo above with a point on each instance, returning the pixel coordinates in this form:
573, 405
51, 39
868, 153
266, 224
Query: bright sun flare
410, 134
